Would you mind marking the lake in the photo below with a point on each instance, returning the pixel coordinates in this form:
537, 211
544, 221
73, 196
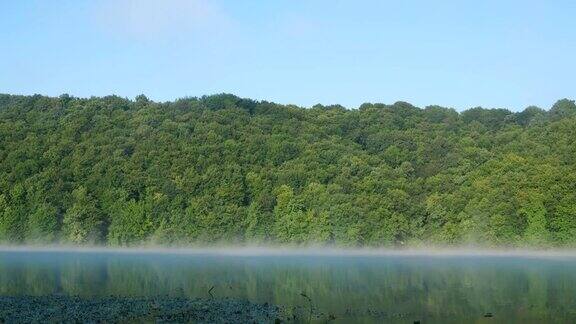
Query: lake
362, 288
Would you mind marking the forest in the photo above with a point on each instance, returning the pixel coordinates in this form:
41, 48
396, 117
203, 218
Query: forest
223, 169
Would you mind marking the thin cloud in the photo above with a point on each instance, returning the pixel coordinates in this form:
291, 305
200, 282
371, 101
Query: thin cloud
154, 19
300, 27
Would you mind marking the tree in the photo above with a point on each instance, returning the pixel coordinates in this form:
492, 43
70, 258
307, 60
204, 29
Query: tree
227, 169
83, 221
563, 108
43, 223
533, 210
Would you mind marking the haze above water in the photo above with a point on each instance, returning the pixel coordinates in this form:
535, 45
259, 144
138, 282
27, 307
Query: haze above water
354, 285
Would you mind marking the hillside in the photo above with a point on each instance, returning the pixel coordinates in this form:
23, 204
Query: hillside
224, 169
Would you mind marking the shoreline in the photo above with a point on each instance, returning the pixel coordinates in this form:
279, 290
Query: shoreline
65, 308
256, 251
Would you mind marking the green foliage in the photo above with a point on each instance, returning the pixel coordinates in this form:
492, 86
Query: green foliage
563, 108
83, 220
225, 169
43, 223
533, 210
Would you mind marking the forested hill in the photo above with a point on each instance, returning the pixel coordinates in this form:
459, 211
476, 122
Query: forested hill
224, 169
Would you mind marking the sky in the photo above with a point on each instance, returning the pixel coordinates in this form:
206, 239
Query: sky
458, 54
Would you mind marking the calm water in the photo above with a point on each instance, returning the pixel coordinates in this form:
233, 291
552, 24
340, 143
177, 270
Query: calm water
397, 289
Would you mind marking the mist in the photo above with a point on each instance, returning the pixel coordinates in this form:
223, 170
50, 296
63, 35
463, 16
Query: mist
274, 251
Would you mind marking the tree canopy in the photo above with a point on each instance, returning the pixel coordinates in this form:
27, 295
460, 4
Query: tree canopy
226, 169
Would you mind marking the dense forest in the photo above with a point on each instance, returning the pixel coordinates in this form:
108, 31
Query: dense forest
225, 169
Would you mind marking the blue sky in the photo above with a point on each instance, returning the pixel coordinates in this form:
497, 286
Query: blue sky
458, 54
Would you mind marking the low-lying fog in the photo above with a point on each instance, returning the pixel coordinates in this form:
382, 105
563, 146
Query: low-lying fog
312, 251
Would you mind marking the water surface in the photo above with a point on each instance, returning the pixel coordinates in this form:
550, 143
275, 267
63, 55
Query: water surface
354, 288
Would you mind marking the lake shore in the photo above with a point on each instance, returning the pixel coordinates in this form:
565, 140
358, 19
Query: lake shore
74, 309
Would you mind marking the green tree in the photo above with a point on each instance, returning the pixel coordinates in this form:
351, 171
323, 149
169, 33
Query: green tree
43, 223
83, 221
228, 169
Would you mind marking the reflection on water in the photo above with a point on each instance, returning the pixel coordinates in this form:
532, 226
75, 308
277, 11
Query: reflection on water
362, 288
